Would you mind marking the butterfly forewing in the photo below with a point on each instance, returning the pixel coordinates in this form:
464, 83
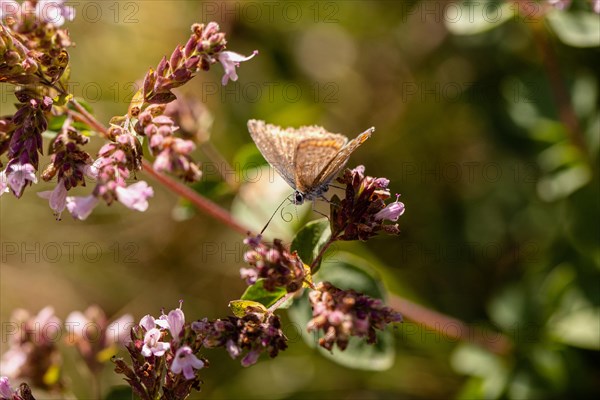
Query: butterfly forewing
277, 147
335, 165
312, 156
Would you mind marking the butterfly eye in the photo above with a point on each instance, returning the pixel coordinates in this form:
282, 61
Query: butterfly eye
298, 198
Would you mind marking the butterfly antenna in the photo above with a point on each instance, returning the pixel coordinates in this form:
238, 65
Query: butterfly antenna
275, 212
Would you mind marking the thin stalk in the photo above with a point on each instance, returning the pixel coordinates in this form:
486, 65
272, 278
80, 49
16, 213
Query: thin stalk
449, 327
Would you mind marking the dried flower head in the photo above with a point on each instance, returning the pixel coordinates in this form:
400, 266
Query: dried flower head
361, 214
275, 264
254, 333
164, 357
340, 314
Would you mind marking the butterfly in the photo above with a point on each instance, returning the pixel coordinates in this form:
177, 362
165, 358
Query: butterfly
307, 158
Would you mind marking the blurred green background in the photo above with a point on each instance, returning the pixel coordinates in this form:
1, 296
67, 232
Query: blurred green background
502, 197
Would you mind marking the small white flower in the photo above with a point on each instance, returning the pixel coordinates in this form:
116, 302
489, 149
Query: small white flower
19, 176
230, 61
135, 196
153, 345
57, 198
81, 207
54, 12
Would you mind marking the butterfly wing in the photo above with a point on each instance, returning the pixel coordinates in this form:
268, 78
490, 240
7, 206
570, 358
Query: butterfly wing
277, 147
313, 154
337, 162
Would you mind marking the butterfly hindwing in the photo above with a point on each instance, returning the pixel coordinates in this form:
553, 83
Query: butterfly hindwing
312, 156
335, 165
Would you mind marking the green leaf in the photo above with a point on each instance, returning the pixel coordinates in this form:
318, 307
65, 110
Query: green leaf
576, 28
238, 307
348, 272
55, 123
258, 293
120, 393
309, 241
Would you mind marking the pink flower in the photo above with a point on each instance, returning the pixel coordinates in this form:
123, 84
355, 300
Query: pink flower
148, 322
12, 361
54, 12
78, 322
176, 320
6, 391
57, 198
19, 176
186, 361
118, 331
153, 345
230, 61
135, 196
595, 6
48, 324
81, 207
392, 211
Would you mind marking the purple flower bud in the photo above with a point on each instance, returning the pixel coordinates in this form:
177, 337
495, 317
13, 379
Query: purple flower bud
250, 358
176, 320
233, 349
176, 57
391, 212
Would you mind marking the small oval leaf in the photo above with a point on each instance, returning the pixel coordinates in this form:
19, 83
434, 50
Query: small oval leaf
238, 307
258, 293
309, 241
348, 271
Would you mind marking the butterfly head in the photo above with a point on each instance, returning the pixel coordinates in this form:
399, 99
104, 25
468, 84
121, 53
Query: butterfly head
298, 198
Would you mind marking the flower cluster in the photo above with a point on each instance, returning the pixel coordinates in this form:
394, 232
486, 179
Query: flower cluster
8, 393
32, 46
25, 133
361, 214
340, 314
111, 170
172, 153
163, 354
33, 55
94, 337
256, 332
275, 264
32, 349
205, 47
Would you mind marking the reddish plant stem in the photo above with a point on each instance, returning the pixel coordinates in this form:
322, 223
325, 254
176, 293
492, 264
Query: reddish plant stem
450, 327
199, 201
89, 118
